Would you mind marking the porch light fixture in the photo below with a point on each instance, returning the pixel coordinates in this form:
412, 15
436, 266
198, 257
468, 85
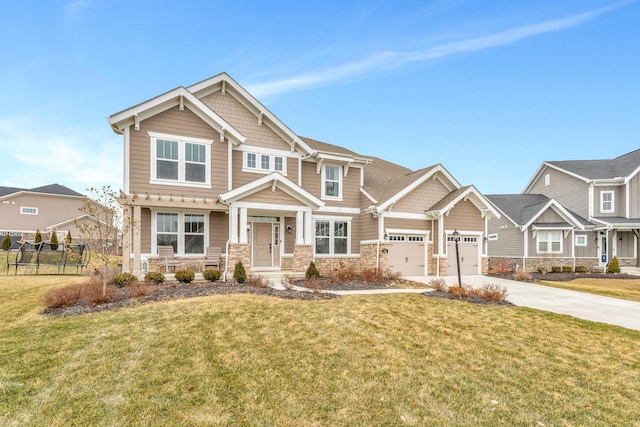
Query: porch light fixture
620, 238
288, 229
456, 238
386, 236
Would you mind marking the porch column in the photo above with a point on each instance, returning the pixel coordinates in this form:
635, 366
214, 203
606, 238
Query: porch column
307, 228
243, 225
126, 239
299, 228
233, 224
137, 240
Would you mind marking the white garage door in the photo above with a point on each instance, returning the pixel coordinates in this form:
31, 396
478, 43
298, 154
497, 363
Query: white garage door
468, 249
406, 254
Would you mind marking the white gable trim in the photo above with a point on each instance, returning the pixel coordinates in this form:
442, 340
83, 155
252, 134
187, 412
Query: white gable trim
435, 173
557, 207
179, 96
224, 83
474, 196
273, 180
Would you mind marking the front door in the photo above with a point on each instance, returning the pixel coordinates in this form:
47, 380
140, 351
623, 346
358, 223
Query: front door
262, 245
602, 249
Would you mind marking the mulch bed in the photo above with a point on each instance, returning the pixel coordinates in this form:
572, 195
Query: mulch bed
565, 277
475, 299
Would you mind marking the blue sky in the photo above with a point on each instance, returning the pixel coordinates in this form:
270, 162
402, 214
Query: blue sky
490, 89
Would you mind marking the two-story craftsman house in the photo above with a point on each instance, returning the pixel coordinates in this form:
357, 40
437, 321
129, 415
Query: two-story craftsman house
576, 212
210, 166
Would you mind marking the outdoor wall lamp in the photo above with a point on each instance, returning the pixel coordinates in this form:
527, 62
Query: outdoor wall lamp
288, 229
386, 236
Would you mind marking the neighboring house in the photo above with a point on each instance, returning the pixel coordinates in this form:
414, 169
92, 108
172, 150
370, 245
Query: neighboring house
210, 166
48, 208
578, 212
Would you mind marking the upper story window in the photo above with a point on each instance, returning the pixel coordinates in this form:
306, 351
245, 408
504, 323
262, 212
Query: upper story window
179, 160
549, 242
606, 201
24, 210
263, 163
332, 182
547, 180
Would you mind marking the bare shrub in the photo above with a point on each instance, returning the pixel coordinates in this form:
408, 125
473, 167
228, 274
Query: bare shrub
287, 282
314, 284
460, 292
439, 284
522, 276
493, 292
500, 265
94, 293
141, 289
370, 275
390, 275
344, 274
62, 297
258, 281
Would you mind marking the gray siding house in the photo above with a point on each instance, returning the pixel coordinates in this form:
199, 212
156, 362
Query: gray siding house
574, 212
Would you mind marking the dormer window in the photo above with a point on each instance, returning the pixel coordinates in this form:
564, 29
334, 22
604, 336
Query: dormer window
332, 182
606, 201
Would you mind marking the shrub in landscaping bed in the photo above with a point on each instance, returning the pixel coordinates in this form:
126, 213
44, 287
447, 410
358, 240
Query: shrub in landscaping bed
62, 297
212, 274
494, 292
581, 269
613, 266
439, 284
315, 284
500, 265
155, 277
92, 293
185, 276
257, 281
556, 269
239, 273
141, 289
567, 269
522, 276
312, 270
6, 242
123, 279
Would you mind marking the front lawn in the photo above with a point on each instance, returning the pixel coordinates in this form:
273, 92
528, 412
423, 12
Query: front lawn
628, 289
399, 359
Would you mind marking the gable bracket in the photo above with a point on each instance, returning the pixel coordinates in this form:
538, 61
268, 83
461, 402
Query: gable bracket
435, 175
346, 169
222, 134
566, 233
319, 165
136, 122
181, 103
260, 116
273, 186
223, 91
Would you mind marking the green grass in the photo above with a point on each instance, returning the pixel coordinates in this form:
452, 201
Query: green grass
628, 289
358, 360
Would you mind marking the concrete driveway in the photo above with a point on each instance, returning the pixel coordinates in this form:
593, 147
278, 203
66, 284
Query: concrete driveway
577, 304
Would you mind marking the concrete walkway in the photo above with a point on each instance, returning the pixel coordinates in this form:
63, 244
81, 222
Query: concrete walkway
577, 304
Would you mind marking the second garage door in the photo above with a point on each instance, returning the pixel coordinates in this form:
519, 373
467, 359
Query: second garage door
468, 250
406, 254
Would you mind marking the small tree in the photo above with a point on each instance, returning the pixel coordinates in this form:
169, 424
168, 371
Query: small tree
99, 224
67, 238
38, 239
613, 266
312, 271
54, 240
6, 242
239, 273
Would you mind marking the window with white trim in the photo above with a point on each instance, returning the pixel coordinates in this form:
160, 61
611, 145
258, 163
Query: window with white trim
415, 238
332, 182
184, 231
396, 238
26, 210
332, 237
267, 163
179, 160
547, 180
549, 242
470, 239
606, 201
581, 240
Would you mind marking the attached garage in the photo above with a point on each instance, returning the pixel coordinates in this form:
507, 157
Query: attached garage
407, 254
469, 252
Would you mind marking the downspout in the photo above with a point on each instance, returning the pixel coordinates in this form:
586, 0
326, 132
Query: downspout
378, 257
226, 263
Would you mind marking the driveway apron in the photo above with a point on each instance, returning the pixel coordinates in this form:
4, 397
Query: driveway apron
577, 304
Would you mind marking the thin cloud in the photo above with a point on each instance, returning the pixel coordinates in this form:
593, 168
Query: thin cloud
76, 8
389, 60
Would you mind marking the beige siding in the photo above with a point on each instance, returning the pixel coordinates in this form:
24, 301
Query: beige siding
464, 216
289, 238
510, 241
312, 182
566, 246
227, 107
277, 197
368, 227
51, 210
549, 216
626, 246
218, 230
589, 251
145, 230
179, 123
239, 177
410, 224
422, 198
570, 192
356, 235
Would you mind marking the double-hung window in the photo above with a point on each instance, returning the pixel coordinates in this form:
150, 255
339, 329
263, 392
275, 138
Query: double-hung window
179, 160
606, 201
549, 242
184, 231
332, 182
331, 237
264, 163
